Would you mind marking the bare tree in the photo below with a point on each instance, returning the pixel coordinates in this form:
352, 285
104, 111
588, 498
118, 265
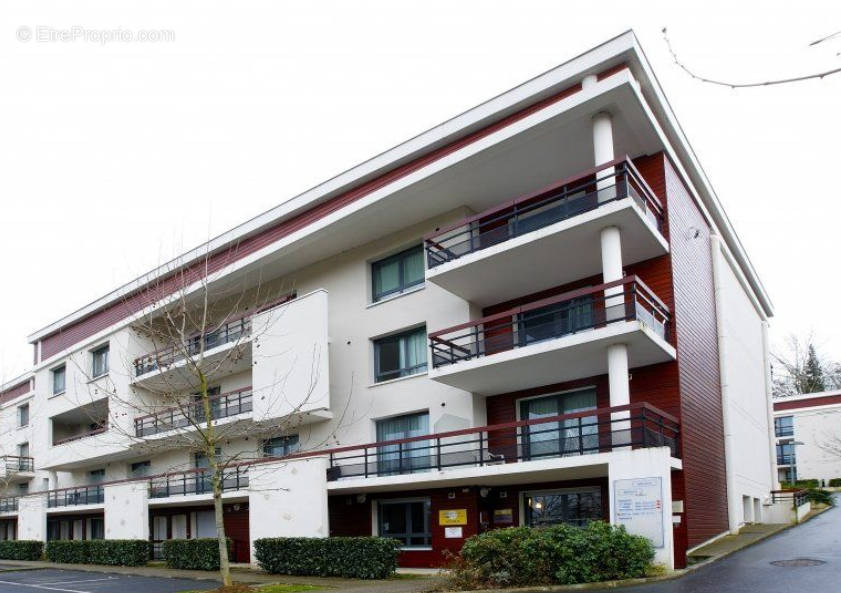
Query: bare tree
799, 368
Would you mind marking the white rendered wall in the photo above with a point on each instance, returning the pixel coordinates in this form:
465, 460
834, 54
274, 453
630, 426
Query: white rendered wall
32, 518
745, 396
288, 499
127, 511
816, 427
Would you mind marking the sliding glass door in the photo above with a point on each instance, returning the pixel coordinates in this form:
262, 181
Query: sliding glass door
572, 436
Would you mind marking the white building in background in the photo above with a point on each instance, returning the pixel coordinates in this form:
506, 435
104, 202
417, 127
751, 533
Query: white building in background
536, 312
808, 433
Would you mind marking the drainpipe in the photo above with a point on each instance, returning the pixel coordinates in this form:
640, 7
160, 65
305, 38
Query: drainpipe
727, 421
766, 360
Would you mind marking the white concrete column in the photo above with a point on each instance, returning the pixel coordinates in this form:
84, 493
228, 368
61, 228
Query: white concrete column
32, 517
288, 499
620, 393
640, 486
611, 244
603, 153
127, 510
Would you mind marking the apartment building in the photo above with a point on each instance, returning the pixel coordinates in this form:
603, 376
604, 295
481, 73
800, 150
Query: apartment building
807, 429
535, 312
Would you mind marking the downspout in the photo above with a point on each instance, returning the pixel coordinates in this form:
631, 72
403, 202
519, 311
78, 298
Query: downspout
772, 441
729, 449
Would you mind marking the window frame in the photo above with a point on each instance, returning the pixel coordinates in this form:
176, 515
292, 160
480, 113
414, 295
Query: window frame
402, 287
21, 408
97, 476
524, 508
289, 447
106, 348
426, 534
399, 373
54, 372
147, 463
779, 427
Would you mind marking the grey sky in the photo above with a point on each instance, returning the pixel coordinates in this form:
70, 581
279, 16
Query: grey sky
117, 155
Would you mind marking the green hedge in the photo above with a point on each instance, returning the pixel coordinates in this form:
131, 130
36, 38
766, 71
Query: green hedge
112, 552
193, 554
835, 483
561, 554
21, 549
813, 483
349, 557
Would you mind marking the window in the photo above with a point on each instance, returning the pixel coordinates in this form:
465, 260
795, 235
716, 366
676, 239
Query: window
784, 426
96, 476
59, 376
23, 415
400, 355
568, 437
397, 273
406, 457
575, 507
23, 488
97, 528
204, 480
280, 446
24, 463
99, 361
555, 320
140, 469
406, 521
785, 453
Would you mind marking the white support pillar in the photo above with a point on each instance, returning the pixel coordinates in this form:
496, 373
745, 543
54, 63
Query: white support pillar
603, 152
620, 393
32, 517
611, 244
127, 510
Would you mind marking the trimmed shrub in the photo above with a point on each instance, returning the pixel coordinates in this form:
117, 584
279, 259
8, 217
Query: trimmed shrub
193, 554
21, 549
348, 557
560, 554
119, 552
800, 484
67, 551
835, 483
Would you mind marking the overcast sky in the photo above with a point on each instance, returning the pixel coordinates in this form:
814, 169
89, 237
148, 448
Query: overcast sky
116, 156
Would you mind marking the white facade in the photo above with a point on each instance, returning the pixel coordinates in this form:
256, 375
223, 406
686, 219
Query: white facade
311, 366
812, 427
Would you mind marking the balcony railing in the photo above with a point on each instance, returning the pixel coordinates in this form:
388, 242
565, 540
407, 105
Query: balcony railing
221, 406
197, 481
9, 504
796, 497
84, 435
588, 191
17, 463
230, 332
65, 497
554, 317
785, 459
581, 433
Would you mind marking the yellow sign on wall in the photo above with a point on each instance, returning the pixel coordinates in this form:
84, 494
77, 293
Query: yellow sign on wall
452, 517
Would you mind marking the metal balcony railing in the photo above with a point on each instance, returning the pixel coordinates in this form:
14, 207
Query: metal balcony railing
197, 481
8, 504
796, 497
588, 191
221, 406
17, 463
229, 332
581, 433
84, 435
554, 317
79, 495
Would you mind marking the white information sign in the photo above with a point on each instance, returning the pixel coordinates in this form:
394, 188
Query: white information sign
453, 532
639, 507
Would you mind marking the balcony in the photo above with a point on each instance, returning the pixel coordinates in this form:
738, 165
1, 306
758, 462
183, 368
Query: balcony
512, 448
80, 495
553, 340
491, 257
14, 468
9, 504
165, 368
197, 481
224, 405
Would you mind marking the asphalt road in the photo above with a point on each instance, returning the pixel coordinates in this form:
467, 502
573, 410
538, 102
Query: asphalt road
750, 570
73, 581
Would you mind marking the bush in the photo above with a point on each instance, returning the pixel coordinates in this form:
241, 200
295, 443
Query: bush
113, 552
193, 554
68, 551
561, 554
21, 549
835, 483
800, 484
119, 552
818, 496
349, 557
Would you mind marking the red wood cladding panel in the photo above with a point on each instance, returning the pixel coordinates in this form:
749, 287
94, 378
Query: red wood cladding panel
810, 402
697, 352
14, 391
99, 320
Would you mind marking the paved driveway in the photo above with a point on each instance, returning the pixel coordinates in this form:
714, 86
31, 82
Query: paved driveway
751, 570
74, 581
